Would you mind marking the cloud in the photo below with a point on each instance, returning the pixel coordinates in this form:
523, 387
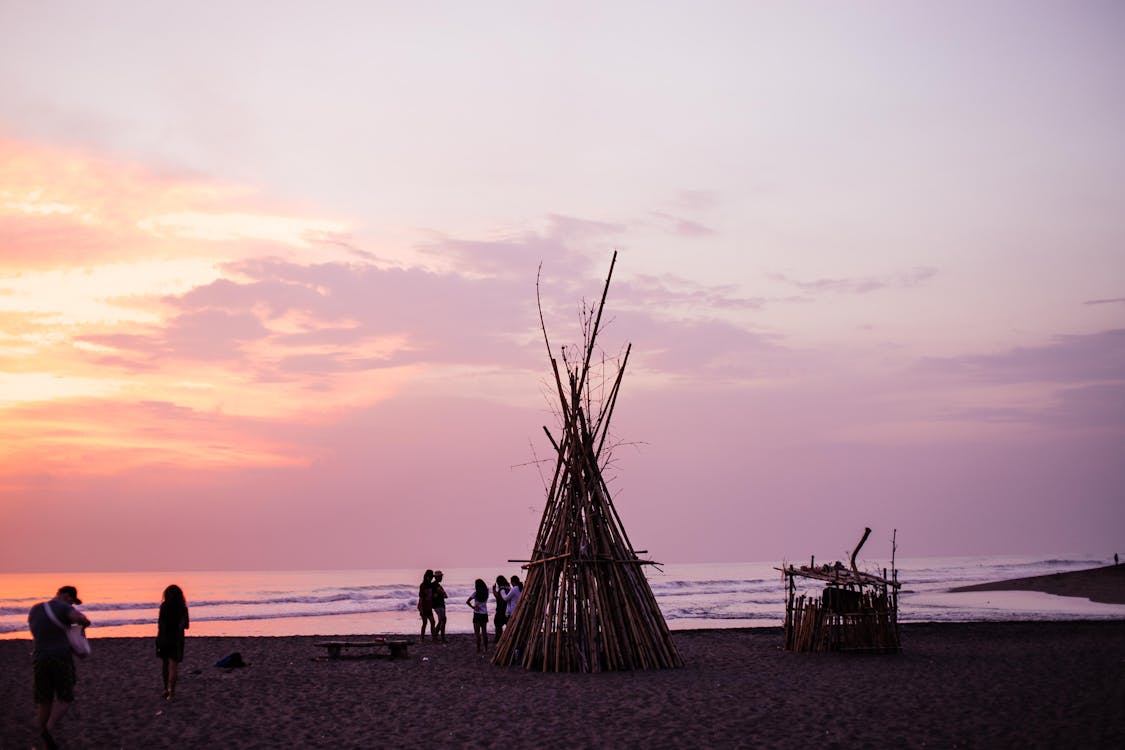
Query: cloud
1099, 405
203, 336
1110, 301
220, 226
696, 200
713, 348
669, 291
291, 319
17, 323
1073, 382
567, 245
211, 334
102, 436
681, 227
865, 285
65, 207
1076, 358
1099, 408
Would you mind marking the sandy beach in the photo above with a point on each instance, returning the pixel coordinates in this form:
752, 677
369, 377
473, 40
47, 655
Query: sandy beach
988, 685
1105, 584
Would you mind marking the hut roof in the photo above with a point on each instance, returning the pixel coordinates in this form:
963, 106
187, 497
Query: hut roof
839, 575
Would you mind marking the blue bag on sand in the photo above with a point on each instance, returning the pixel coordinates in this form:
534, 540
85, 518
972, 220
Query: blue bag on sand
231, 660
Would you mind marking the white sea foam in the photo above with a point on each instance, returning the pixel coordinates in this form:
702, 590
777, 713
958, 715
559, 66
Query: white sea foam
694, 595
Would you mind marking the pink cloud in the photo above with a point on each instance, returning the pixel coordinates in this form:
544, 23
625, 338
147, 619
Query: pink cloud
574, 246
680, 226
865, 285
660, 292
1068, 358
696, 200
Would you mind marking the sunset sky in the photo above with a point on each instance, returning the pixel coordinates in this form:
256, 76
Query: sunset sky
268, 277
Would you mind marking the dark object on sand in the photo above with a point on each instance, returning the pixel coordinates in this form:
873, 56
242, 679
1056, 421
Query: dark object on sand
231, 661
398, 648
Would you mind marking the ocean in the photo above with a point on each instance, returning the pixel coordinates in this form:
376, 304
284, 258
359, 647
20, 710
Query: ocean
355, 602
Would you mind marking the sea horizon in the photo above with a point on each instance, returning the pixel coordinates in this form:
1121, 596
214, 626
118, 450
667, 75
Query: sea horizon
365, 601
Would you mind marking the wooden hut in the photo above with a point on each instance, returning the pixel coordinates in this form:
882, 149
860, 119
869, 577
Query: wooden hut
855, 611
586, 604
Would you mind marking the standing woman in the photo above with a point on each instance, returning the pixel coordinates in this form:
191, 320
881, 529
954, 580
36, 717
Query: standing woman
513, 597
170, 627
479, 602
439, 607
500, 591
426, 605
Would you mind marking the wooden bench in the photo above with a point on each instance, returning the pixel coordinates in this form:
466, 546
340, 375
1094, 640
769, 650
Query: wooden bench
396, 648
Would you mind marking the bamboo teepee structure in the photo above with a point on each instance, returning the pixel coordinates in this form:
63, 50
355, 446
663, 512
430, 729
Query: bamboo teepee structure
586, 604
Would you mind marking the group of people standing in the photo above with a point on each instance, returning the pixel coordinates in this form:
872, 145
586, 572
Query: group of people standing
431, 606
53, 671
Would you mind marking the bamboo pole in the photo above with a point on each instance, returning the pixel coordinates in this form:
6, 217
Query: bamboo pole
587, 605
598, 319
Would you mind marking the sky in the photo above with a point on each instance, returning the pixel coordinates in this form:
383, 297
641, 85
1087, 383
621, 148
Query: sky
269, 276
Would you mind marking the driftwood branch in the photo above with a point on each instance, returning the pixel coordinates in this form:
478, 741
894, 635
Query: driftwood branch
866, 533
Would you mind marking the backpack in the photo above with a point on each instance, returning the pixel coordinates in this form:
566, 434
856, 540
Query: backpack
231, 661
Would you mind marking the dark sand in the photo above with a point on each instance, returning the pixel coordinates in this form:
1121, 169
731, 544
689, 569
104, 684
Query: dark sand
1105, 585
985, 685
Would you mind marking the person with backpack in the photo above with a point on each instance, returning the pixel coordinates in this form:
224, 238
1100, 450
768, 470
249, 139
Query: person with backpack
53, 659
426, 604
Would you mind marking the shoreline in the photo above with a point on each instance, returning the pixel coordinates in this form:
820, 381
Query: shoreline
1105, 585
283, 603
1007, 684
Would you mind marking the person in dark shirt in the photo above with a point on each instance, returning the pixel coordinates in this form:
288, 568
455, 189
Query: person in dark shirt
53, 660
426, 604
500, 591
439, 606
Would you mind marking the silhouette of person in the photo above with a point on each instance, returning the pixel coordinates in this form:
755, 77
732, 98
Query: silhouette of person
52, 659
170, 626
426, 605
439, 606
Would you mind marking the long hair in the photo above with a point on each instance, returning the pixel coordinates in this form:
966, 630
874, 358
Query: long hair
173, 604
502, 582
482, 591
174, 597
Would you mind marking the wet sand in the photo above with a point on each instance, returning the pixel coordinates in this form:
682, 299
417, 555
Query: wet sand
1106, 585
986, 685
